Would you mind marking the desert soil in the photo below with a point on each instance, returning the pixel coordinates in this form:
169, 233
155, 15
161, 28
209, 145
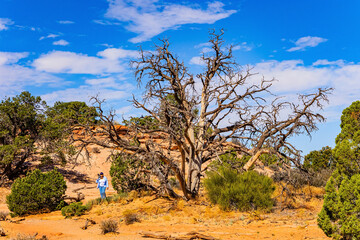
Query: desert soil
160, 216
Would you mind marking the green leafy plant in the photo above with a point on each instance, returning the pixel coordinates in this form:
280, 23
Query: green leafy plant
36, 192
129, 173
242, 191
74, 209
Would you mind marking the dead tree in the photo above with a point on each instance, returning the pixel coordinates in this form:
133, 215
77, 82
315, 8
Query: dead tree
200, 114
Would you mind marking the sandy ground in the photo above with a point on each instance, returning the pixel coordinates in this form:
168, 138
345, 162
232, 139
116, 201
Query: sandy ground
159, 216
285, 225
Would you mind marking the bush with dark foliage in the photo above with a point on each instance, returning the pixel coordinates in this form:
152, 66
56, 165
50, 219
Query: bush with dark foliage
36, 192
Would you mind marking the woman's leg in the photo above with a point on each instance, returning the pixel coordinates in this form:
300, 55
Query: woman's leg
102, 192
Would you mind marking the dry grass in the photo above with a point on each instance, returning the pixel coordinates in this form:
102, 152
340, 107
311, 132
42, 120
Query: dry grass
166, 218
96, 150
109, 226
28, 237
3, 215
130, 217
307, 197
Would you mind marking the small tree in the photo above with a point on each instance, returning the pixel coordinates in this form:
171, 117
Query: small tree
317, 160
37, 192
62, 120
72, 113
30, 130
199, 114
21, 123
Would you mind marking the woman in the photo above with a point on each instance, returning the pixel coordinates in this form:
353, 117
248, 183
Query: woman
102, 185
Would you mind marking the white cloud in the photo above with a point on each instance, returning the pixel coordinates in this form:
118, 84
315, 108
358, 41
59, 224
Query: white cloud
84, 93
197, 61
201, 45
294, 77
128, 111
116, 53
109, 82
66, 22
61, 42
15, 77
11, 57
107, 61
51, 35
5, 23
243, 46
305, 42
325, 62
105, 22
70, 62
207, 47
109, 88
149, 18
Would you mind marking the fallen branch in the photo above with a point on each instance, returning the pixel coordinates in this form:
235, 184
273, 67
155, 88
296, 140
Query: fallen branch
80, 196
15, 221
88, 223
84, 187
2, 232
188, 236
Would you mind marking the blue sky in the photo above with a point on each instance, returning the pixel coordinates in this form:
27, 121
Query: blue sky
71, 50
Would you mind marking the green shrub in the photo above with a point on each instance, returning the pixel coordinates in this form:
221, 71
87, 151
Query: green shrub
123, 170
245, 191
74, 209
36, 192
339, 217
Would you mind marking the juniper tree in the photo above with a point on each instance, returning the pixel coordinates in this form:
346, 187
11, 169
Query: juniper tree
30, 130
339, 217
